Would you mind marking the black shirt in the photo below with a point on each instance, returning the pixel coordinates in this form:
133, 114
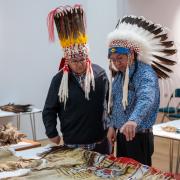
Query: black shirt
81, 120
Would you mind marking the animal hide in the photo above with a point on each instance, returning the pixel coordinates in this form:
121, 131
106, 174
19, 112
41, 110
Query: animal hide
16, 108
9, 135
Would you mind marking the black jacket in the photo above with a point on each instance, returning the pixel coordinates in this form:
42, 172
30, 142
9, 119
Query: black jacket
81, 120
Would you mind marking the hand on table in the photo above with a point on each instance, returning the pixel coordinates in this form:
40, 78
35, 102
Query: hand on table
55, 140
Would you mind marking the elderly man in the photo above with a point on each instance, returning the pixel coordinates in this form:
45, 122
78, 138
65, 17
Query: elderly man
77, 93
137, 50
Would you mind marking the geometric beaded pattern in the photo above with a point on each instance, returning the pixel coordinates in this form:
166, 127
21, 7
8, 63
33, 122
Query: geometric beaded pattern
76, 50
126, 44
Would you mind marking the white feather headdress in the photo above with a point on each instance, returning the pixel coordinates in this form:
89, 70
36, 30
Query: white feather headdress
149, 41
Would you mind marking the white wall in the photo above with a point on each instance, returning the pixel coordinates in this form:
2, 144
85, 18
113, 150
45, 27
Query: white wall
101, 17
163, 12
28, 61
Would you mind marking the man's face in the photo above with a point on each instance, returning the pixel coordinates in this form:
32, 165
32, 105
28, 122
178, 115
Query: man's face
120, 61
78, 65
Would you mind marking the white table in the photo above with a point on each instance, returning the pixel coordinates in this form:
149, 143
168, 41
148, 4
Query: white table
157, 131
33, 153
31, 114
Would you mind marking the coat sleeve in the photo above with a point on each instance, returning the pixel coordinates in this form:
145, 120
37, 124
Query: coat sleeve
106, 95
50, 110
145, 97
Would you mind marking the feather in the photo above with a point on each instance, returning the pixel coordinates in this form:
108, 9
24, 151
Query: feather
160, 73
169, 52
57, 19
162, 67
167, 44
127, 19
123, 19
147, 39
142, 23
117, 25
162, 36
151, 28
157, 31
11, 107
83, 28
165, 60
134, 20
59, 26
66, 27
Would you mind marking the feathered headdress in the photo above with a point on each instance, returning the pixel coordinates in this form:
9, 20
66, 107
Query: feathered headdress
148, 40
71, 28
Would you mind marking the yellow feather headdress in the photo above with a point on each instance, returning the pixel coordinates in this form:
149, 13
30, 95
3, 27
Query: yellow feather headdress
70, 25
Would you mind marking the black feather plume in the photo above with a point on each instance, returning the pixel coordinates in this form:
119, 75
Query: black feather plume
157, 31
162, 36
165, 60
160, 73
151, 28
162, 67
169, 52
167, 44
117, 25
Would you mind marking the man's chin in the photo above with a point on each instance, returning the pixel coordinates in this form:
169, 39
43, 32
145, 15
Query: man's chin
122, 70
80, 72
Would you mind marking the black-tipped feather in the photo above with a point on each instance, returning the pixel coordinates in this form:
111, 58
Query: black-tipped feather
167, 44
169, 52
160, 73
129, 20
162, 36
117, 25
165, 60
137, 21
162, 67
71, 23
151, 28
157, 31
123, 19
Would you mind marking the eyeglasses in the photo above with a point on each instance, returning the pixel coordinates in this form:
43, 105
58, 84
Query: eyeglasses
121, 60
81, 61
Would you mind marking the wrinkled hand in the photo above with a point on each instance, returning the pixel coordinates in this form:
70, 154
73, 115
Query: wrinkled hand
111, 135
129, 130
55, 140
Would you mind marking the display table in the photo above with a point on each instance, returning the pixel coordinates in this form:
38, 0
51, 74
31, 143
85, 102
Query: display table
65, 163
25, 144
158, 131
31, 114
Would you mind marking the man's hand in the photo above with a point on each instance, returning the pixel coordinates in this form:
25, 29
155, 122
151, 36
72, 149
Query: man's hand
129, 130
111, 135
55, 140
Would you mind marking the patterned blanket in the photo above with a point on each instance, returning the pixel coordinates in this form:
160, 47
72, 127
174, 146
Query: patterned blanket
65, 163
